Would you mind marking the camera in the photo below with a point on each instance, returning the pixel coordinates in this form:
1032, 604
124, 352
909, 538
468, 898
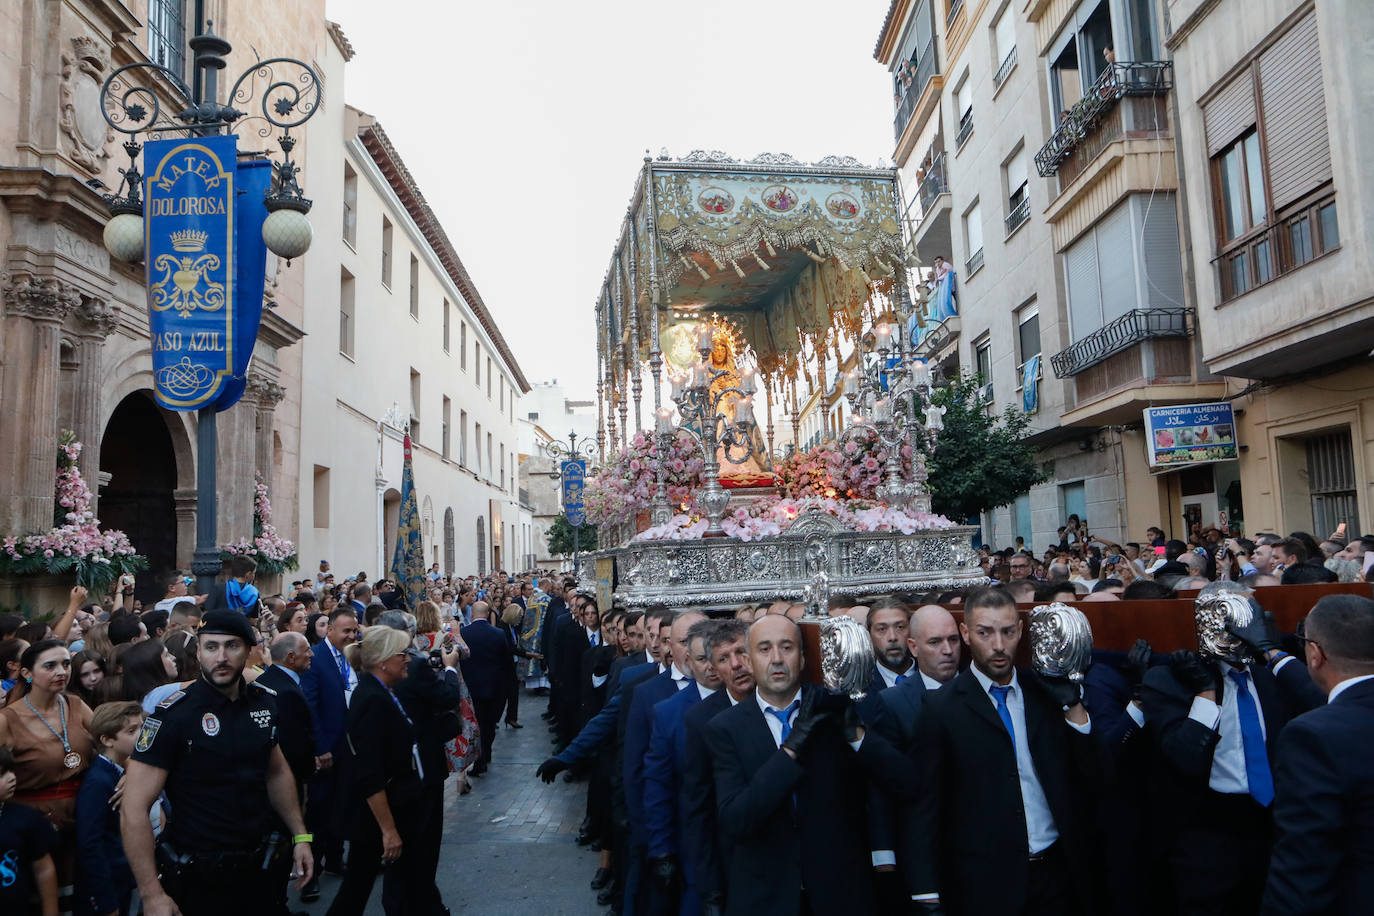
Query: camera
436, 659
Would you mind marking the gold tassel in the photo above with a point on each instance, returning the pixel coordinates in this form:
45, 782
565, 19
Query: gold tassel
738, 270
762, 262
768, 246
863, 275
715, 260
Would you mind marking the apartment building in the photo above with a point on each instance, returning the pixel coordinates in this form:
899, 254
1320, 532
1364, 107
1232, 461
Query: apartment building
1274, 114
398, 339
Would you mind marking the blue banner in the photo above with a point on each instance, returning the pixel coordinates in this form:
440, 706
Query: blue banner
189, 195
250, 271
1030, 385
408, 560
574, 478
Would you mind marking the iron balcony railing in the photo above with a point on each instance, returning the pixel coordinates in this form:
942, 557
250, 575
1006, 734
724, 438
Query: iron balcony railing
934, 184
1119, 335
1116, 82
954, 9
921, 69
974, 262
1019, 214
1008, 64
965, 128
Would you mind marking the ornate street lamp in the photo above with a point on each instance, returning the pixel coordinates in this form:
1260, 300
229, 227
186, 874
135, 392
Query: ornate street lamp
583, 449
289, 95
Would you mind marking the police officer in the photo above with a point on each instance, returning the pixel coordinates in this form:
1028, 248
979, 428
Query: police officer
213, 749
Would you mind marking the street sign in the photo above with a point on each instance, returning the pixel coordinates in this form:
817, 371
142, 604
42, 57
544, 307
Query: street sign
574, 477
1190, 434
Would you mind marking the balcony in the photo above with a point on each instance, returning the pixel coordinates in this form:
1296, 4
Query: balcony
1082, 126
1008, 65
930, 229
1017, 217
965, 128
1144, 357
974, 263
1119, 335
915, 76
954, 8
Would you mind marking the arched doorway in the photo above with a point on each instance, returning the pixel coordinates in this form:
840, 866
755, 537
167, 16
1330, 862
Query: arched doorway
391, 518
450, 560
136, 452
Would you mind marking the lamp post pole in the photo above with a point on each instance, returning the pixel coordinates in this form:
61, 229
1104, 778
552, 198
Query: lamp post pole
133, 109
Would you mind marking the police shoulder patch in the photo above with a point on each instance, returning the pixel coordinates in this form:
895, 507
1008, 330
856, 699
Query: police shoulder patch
148, 734
167, 703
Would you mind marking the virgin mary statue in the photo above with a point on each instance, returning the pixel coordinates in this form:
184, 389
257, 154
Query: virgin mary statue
743, 463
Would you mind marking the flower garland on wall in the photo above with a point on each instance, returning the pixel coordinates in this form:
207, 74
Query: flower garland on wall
75, 543
274, 554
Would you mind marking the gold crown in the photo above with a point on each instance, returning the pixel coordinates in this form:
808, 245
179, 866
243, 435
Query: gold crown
189, 240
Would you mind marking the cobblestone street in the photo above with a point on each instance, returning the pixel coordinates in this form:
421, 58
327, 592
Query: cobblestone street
509, 844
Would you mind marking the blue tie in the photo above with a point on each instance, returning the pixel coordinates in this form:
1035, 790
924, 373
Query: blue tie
343, 666
900, 678
784, 716
1000, 695
1257, 772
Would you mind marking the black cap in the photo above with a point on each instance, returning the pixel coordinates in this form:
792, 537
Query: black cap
228, 623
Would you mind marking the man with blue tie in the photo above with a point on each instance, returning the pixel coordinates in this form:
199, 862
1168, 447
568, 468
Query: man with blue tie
327, 684
1323, 857
1216, 717
1004, 761
672, 883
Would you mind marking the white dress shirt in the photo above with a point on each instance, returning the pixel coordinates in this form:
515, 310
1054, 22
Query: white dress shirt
350, 676
1228, 760
1041, 831
680, 680
704, 692
593, 637
774, 723
930, 682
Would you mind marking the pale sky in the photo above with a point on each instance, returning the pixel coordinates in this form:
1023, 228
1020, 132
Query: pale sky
525, 123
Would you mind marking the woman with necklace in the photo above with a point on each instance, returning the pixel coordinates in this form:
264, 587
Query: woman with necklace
45, 729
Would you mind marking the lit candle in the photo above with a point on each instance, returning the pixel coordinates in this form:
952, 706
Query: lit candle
883, 333
744, 410
704, 334
700, 377
746, 382
851, 383
665, 420
675, 386
920, 372
882, 410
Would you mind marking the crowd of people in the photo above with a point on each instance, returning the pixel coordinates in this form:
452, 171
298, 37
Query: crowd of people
215, 749
181, 755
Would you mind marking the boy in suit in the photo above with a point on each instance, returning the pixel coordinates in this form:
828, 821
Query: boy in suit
105, 883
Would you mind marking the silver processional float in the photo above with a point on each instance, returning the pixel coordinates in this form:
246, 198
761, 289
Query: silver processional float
791, 282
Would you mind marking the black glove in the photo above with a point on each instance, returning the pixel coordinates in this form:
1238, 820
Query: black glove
1065, 692
1137, 662
809, 718
928, 907
1260, 635
549, 769
664, 871
850, 721
1187, 666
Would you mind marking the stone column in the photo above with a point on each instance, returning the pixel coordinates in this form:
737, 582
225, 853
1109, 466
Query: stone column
267, 394
184, 499
35, 308
96, 319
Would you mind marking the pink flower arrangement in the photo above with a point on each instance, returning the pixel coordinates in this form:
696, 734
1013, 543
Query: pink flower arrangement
76, 542
774, 516
626, 484
678, 528
274, 554
853, 470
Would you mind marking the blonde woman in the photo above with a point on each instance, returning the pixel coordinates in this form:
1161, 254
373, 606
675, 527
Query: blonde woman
385, 771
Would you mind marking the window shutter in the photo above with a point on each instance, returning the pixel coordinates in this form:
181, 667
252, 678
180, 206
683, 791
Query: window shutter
1085, 301
1016, 171
1231, 113
1299, 154
1005, 35
974, 229
1162, 278
1116, 264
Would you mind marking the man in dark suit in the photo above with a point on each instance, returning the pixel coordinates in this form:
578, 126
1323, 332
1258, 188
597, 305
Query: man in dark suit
638, 728
554, 616
488, 670
1004, 763
727, 648
1216, 716
935, 645
791, 765
1323, 857
673, 886
326, 685
291, 657
571, 641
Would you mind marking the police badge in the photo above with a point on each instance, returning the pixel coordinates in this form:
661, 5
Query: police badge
147, 734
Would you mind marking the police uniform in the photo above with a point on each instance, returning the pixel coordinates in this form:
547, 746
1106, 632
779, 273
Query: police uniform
214, 853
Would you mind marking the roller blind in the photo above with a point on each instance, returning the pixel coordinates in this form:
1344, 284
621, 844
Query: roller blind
1290, 74
1231, 113
973, 228
1085, 300
1005, 34
1016, 171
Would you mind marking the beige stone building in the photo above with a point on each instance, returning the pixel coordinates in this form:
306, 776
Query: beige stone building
74, 347
1275, 120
